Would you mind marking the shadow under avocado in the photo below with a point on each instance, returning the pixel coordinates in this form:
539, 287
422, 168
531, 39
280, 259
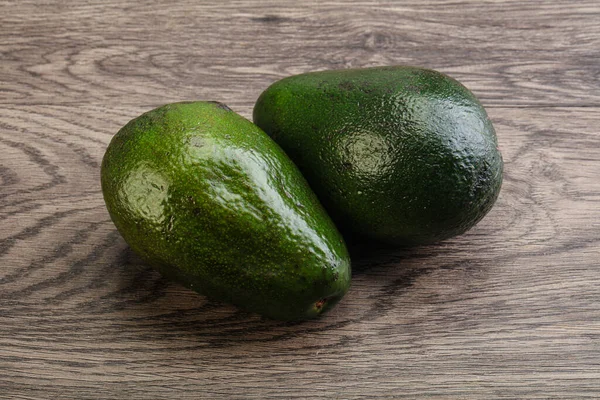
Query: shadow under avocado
367, 254
161, 310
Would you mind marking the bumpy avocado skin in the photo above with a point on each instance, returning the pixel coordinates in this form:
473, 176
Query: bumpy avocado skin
211, 201
401, 155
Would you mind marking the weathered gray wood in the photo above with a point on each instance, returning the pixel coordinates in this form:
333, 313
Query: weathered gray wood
510, 52
509, 310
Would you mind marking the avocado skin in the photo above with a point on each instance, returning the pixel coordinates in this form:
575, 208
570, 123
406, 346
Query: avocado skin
208, 199
400, 155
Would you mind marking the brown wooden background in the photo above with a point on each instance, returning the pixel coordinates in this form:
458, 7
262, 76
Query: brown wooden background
509, 310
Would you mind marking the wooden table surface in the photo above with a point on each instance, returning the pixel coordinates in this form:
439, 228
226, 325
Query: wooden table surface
509, 310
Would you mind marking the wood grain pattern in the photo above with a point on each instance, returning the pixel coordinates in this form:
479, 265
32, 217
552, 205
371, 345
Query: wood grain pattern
509, 310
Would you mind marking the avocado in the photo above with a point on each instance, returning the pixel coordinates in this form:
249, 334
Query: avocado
400, 155
207, 198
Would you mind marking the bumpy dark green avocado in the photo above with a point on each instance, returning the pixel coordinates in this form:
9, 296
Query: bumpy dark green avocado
210, 200
402, 155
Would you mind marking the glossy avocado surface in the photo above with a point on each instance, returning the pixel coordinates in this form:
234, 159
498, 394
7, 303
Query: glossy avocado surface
211, 201
401, 155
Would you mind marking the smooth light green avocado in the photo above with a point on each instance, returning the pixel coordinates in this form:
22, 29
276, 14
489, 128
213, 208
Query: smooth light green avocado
402, 155
211, 201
